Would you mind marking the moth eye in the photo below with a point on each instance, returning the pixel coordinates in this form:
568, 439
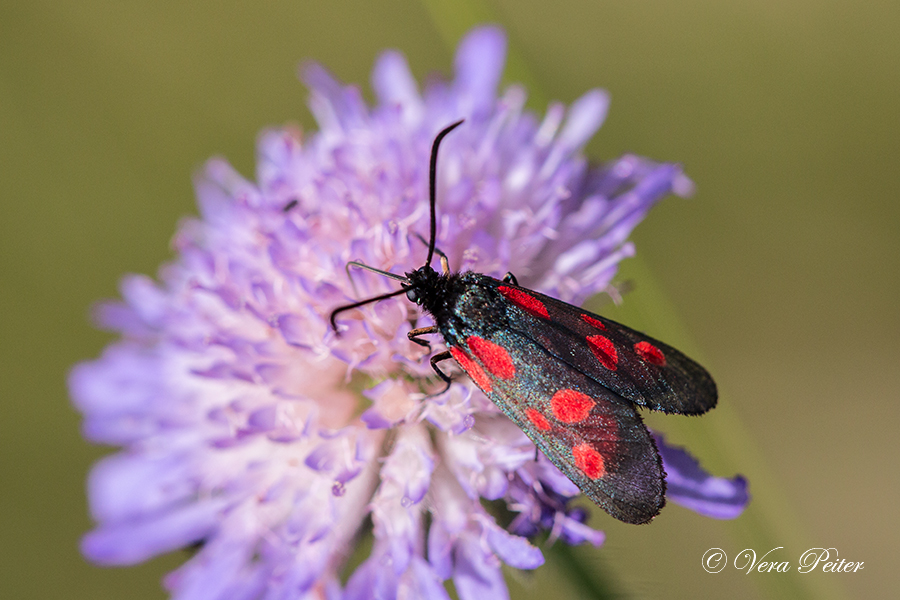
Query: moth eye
413, 295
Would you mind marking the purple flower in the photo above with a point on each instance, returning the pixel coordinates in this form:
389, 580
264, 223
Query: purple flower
689, 485
251, 430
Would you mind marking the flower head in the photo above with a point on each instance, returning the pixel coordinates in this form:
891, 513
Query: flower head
252, 430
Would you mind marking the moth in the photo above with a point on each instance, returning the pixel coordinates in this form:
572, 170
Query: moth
570, 379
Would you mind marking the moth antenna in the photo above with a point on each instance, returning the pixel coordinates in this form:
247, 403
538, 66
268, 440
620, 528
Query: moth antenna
432, 185
352, 281
355, 263
341, 309
362, 265
436, 249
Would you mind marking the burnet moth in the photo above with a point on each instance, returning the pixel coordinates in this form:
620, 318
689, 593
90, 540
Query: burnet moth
570, 379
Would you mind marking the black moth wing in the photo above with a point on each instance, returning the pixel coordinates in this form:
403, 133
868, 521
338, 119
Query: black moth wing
631, 364
594, 436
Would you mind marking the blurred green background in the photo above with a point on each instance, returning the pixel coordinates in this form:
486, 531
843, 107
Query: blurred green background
783, 270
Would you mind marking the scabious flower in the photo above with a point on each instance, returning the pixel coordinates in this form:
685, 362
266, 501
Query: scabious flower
253, 433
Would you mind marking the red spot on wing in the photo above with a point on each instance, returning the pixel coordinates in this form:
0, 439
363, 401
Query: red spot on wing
592, 321
537, 419
473, 369
525, 301
650, 353
494, 357
604, 350
570, 406
589, 461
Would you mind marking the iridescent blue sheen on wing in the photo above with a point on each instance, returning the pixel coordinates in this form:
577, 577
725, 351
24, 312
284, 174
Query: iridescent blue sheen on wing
571, 381
629, 483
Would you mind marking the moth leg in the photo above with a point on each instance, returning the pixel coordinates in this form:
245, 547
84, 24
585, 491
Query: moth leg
414, 334
445, 262
434, 361
510, 278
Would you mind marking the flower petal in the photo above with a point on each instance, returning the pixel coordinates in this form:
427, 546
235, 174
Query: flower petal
513, 549
689, 485
479, 64
420, 581
134, 541
395, 86
476, 573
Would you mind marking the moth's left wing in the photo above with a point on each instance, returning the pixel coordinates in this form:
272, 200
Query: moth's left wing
594, 436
